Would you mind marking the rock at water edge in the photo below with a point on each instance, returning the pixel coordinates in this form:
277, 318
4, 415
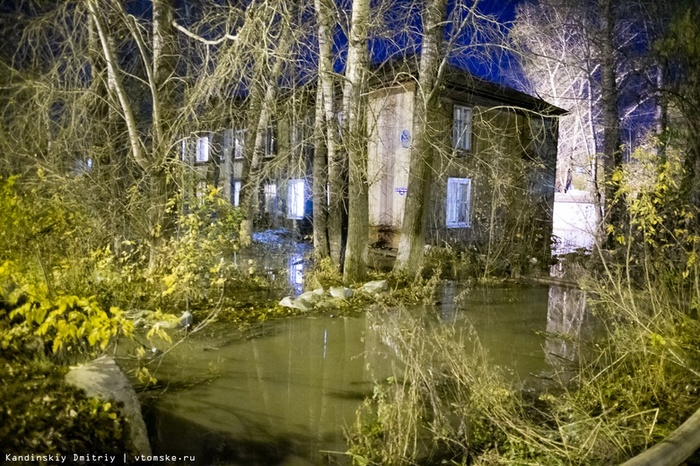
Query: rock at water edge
103, 378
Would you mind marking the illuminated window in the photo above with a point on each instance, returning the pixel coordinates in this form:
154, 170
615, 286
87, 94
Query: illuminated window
462, 127
236, 193
238, 143
458, 202
202, 154
295, 199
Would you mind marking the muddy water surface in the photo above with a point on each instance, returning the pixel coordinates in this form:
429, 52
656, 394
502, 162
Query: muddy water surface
284, 395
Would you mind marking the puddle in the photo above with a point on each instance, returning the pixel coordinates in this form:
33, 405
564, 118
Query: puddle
284, 396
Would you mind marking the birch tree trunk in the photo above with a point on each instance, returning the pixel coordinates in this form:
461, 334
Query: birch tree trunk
163, 71
420, 176
337, 164
355, 263
320, 181
253, 156
114, 74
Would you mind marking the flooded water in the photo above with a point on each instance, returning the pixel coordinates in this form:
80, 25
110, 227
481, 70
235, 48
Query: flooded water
284, 395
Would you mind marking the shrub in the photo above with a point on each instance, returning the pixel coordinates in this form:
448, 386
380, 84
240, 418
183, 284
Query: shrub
40, 413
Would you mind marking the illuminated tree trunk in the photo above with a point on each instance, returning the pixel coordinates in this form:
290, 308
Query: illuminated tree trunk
420, 176
355, 264
337, 163
320, 180
254, 156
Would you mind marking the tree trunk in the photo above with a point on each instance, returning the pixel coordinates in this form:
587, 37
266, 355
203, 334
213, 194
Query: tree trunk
116, 85
320, 180
420, 176
254, 156
337, 164
611, 118
163, 85
355, 264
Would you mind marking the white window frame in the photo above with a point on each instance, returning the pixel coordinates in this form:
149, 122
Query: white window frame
238, 143
458, 206
296, 198
461, 127
202, 152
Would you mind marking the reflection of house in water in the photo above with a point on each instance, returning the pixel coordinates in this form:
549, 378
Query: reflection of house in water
567, 323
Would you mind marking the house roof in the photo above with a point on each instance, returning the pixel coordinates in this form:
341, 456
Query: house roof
459, 81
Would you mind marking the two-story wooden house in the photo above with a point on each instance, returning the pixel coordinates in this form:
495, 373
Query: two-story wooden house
493, 175
494, 164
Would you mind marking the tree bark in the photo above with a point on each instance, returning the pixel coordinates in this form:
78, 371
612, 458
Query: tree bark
420, 176
115, 80
337, 164
611, 117
320, 181
355, 263
254, 156
163, 74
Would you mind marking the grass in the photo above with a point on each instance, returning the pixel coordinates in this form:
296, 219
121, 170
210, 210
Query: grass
447, 403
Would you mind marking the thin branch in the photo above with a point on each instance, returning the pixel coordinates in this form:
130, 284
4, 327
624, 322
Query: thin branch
201, 39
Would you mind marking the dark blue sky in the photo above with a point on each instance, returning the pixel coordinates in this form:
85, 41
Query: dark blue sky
500, 67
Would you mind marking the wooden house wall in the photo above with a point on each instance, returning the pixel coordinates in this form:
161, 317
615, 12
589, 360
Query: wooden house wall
511, 167
389, 114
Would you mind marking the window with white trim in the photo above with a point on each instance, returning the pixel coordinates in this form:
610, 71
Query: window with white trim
458, 202
202, 153
238, 143
462, 127
296, 199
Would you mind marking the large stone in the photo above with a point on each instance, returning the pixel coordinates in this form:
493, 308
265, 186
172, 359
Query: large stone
374, 287
341, 292
298, 303
311, 297
102, 378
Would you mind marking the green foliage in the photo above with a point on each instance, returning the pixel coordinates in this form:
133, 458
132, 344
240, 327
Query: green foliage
40, 413
63, 322
658, 245
37, 224
197, 261
323, 275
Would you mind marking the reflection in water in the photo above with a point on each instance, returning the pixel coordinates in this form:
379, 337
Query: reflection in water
296, 273
284, 396
447, 307
567, 323
508, 321
290, 391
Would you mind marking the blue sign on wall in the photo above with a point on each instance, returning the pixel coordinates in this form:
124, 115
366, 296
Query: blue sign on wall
405, 138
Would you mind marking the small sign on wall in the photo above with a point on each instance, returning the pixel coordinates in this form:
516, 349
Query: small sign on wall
405, 138
401, 191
